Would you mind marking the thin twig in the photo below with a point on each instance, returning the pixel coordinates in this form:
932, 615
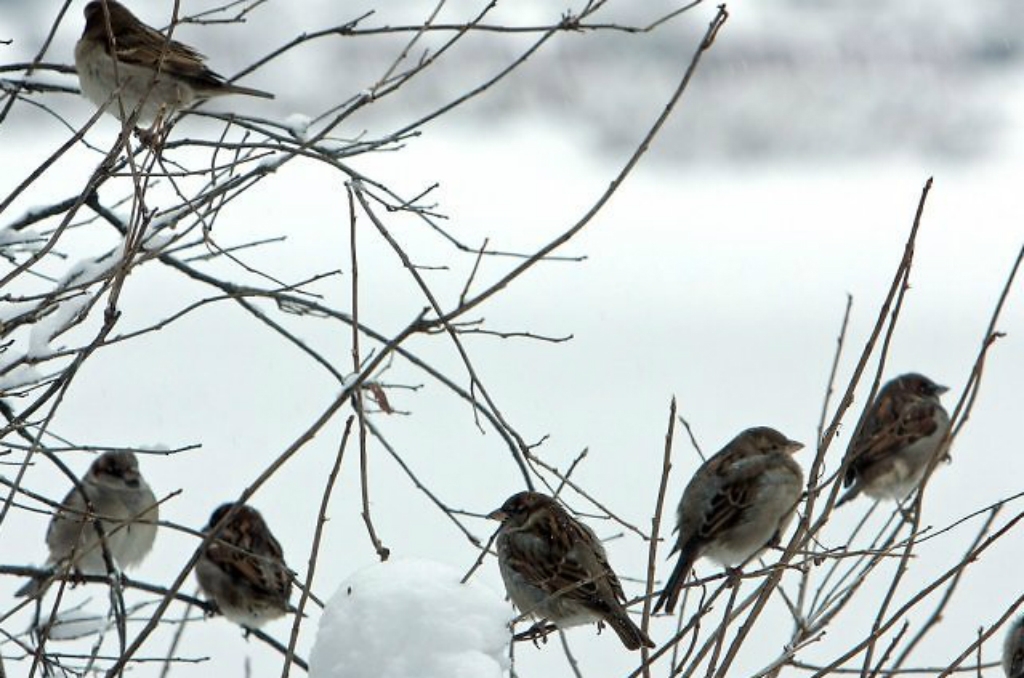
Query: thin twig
652, 547
314, 550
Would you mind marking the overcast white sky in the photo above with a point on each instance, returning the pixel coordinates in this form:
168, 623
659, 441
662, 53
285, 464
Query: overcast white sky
719, 278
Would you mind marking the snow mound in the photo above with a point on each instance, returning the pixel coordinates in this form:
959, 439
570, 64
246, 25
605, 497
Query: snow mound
408, 618
298, 124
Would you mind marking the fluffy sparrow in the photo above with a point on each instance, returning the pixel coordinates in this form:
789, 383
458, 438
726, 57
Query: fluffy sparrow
555, 568
242, 570
737, 503
1013, 650
898, 437
146, 70
127, 511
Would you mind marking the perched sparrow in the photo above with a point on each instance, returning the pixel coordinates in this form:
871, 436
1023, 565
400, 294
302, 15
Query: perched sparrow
127, 511
1013, 650
242, 569
737, 503
555, 568
166, 74
898, 437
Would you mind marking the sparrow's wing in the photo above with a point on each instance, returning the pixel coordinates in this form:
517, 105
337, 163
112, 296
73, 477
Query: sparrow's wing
253, 557
140, 45
592, 557
137, 43
563, 557
726, 509
735, 491
66, 525
893, 424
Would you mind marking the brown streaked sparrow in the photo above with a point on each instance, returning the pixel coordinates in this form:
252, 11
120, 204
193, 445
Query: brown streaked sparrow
242, 569
127, 510
151, 73
899, 435
1013, 650
738, 503
555, 568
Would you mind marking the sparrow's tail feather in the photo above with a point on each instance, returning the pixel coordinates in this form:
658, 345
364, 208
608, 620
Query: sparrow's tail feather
670, 594
631, 635
248, 91
850, 494
34, 587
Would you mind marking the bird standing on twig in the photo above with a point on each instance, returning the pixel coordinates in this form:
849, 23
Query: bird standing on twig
128, 66
126, 509
242, 569
898, 437
737, 503
555, 568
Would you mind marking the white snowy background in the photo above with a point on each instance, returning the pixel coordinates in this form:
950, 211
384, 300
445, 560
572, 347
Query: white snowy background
718, 274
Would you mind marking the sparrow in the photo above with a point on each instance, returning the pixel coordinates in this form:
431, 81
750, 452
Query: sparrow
1013, 650
127, 510
555, 568
738, 503
141, 66
242, 569
897, 438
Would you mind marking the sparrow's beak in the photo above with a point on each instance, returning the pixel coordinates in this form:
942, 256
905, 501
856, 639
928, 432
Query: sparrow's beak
793, 446
498, 515
940, 389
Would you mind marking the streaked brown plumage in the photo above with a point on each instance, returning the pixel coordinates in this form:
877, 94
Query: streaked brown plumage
555, 568
151, 73
242, 570
737, 504
898, 437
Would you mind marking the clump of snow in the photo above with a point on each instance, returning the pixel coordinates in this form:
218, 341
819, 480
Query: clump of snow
272, 161
21, 375
10, 310
9, 236
157, 241
43, 332
92, 269
169, 218
411, 618
333, 146
298, 124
